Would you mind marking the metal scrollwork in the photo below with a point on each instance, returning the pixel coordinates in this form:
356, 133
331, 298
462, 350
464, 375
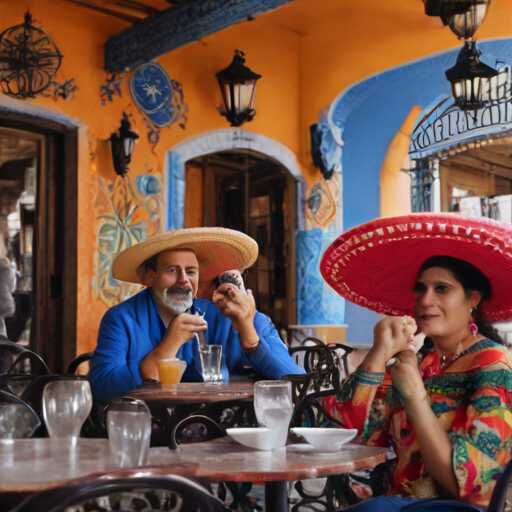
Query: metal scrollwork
29, 59
422, 180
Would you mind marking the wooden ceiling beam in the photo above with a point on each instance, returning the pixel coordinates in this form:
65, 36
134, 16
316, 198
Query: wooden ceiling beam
473, 163
177, 26
490, 157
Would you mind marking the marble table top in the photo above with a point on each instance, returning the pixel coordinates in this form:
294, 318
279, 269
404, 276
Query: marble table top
29, 465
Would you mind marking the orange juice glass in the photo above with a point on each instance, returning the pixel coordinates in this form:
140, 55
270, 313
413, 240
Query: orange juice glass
171, 370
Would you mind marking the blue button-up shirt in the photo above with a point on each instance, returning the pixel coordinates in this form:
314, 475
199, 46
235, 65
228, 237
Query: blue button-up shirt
132, 329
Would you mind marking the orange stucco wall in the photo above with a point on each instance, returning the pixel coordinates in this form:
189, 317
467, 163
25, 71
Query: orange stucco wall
307, 52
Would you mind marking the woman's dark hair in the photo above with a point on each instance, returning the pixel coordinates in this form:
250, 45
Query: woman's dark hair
471, 279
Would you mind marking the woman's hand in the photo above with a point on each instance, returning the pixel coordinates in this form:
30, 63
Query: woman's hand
406, 376
391, 335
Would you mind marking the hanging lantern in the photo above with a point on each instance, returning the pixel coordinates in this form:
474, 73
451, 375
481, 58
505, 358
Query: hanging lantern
464, 17
123, 146
238, 86
470, 79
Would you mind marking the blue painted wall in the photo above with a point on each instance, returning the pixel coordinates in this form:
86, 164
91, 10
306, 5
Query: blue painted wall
369, 115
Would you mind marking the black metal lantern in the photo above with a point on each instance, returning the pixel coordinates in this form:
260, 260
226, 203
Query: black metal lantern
470, 79
238, 86
123, 146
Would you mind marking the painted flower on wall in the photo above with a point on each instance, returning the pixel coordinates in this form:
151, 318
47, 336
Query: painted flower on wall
127, 213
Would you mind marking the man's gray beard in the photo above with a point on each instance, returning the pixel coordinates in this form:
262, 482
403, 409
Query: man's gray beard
176, 306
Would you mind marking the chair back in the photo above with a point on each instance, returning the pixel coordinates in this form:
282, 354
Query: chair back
17, 419
78, 361
9, 351
195, 429
29, 388
135, 493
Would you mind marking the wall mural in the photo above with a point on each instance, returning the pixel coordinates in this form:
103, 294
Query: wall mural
127, 212
29, 62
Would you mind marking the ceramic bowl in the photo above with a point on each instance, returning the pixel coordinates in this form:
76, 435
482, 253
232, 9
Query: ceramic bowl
257, 438
326, 440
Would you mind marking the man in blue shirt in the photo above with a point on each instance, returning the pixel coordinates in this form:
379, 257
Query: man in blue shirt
160, 321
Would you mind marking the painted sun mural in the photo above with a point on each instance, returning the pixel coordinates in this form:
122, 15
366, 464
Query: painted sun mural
127, 211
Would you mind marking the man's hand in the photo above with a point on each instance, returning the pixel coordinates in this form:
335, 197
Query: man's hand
181, 329
240, 308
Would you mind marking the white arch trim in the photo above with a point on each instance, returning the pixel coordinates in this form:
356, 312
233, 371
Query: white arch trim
211, 142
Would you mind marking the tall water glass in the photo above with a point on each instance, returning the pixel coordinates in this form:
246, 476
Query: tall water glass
211, 358
129, 433
274, 408
66, 405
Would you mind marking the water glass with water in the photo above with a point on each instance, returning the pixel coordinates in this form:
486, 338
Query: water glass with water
274, 408
129, 433
66, 405
211, 358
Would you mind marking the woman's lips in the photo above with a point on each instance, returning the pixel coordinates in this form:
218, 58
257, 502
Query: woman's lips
428, 317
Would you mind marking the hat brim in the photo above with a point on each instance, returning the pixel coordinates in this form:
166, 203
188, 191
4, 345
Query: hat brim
376, 265
216, 249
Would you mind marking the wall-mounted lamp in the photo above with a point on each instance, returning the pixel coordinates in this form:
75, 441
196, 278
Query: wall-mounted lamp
238, 86
123, 146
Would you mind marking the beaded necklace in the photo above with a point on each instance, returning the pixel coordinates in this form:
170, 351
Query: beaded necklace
444, 362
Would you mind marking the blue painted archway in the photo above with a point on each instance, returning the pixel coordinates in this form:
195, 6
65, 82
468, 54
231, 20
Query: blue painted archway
365, 117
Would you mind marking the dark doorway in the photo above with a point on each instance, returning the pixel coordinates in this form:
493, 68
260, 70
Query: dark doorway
38, 222
255, 194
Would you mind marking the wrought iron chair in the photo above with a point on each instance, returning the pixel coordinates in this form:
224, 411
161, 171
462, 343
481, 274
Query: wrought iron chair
29, 388
195, 429
199, 428
156, 493
17, 419
17, 359
78, 361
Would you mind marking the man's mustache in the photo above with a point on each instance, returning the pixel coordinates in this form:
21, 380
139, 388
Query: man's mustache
179, 291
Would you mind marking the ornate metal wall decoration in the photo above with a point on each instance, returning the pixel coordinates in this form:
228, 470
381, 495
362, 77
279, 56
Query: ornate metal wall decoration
66, 90
157, 96
111, 87
29, 59
422, 180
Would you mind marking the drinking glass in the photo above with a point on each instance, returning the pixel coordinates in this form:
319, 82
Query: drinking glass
211, 358
66, 405
274, 408
129, 433
171, 370
17, 421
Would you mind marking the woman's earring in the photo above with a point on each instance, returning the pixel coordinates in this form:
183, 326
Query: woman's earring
473, 328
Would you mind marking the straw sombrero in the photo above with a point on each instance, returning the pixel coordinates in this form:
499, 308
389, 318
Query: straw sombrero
217, 250
376, 265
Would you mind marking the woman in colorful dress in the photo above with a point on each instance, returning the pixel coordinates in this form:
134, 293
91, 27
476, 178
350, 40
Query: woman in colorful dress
448, 419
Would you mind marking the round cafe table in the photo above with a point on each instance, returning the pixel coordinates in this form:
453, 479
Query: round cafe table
155, 394
30, 465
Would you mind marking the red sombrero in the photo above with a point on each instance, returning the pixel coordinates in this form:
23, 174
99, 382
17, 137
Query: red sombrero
376, 265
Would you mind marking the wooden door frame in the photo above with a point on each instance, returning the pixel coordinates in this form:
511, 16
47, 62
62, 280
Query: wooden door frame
55, 334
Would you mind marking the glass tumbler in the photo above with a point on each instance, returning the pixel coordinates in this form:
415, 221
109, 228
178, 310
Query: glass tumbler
274, 408
129, 434
211, 358
66, 405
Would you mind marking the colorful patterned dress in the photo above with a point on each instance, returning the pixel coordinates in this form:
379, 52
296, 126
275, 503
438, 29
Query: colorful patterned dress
471, 397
